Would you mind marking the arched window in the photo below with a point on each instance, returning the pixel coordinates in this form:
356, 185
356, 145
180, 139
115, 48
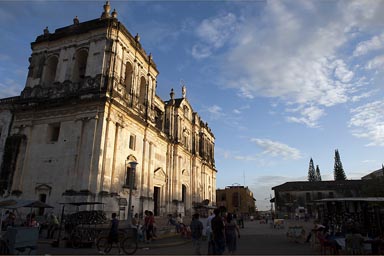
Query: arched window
50, 70
128, 77
142, 92
80, 66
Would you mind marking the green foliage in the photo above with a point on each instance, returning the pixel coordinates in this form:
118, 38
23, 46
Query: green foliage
339, 173
318, 175
311, 171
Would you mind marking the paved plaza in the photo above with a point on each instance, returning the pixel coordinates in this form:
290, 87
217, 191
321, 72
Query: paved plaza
256, 239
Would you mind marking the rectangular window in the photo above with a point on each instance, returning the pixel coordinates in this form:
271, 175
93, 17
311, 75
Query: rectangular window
53, 132
132, 142
130, 177
319, 195
330, 194
235, 199
223, 197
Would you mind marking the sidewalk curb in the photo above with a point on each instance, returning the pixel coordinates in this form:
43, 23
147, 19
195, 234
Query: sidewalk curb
163, 237
154, 246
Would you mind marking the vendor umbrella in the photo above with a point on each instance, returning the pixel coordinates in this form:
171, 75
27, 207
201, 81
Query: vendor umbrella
14, 204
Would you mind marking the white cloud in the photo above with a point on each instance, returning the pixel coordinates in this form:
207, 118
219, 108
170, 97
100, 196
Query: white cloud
213, 34
363, 95
376, 63
368, 122
215, 111
299, 54
277, 149
375, 43
237, 112
342, 72
308, 116
200, 51
240, 110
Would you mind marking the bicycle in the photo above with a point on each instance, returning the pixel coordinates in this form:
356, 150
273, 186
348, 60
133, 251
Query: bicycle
127, 242
81, 236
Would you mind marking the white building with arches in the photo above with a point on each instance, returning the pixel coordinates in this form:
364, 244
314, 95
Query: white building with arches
89, 107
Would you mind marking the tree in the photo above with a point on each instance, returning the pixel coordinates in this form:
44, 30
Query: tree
311, 171
339, 173
318, 175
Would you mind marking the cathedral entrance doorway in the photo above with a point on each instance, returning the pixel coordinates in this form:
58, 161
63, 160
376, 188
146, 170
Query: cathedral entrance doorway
156, 199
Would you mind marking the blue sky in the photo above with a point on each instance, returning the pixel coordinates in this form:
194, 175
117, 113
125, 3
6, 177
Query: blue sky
278, 82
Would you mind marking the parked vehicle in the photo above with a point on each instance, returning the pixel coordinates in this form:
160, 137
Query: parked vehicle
16, 239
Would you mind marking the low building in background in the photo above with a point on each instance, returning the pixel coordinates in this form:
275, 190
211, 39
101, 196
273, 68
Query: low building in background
291, 196
236, 199
374, 174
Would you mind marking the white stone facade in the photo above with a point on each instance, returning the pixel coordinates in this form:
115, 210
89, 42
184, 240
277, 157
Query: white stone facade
89, 108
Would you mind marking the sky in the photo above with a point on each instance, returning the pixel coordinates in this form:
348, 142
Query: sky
278, 82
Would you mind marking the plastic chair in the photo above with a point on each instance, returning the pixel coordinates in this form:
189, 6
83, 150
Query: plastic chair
326, 244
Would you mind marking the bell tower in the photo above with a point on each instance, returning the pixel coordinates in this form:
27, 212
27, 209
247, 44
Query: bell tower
93, 59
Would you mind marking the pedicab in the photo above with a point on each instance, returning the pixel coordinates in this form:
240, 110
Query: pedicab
16, 239
82, 228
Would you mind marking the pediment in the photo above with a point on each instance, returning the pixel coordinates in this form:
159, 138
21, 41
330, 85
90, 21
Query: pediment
42, 187
160, 173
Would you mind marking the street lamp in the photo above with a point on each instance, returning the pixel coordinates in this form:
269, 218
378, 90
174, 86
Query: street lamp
132, 171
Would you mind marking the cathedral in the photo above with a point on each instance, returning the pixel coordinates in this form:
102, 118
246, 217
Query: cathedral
89, 127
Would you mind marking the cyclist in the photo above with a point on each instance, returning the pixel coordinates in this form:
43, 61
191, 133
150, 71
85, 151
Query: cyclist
113, 236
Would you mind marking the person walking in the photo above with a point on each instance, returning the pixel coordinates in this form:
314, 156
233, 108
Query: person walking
179, 221
217, 225
146, 227
231, 229
53, 225
154, 226
209, 233
148, 223
241, 220
113, 236
196, 232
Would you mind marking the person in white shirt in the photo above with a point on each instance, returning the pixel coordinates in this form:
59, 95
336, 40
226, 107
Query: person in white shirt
209, 229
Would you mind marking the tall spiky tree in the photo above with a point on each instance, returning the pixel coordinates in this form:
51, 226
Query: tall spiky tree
339, 173
318, 175
311, 171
